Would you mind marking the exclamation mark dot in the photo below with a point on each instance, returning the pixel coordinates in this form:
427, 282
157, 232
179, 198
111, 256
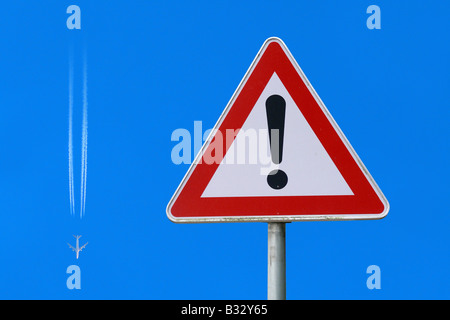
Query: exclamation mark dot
276, 112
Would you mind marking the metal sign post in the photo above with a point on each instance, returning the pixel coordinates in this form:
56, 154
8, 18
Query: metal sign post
276, 267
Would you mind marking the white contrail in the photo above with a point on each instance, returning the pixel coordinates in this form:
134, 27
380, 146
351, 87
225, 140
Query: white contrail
70, 147
84, 141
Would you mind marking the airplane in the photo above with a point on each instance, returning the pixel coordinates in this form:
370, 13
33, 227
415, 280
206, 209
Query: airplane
78, 248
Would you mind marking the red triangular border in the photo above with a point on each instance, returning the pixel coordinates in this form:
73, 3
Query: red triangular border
367, 202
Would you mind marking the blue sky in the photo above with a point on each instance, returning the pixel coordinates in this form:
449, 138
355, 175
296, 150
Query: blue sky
153, 67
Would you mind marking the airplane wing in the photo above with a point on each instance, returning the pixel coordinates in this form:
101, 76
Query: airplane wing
82, 247
72, 248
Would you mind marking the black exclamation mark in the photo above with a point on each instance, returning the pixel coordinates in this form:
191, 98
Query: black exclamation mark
276, 112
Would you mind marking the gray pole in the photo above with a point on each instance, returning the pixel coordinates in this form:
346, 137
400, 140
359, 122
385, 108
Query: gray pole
276, 269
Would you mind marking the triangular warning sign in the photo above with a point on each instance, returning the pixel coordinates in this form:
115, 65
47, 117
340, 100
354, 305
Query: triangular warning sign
276, 154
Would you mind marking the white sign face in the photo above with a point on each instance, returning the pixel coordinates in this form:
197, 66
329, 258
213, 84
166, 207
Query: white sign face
309, 168
276, 154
